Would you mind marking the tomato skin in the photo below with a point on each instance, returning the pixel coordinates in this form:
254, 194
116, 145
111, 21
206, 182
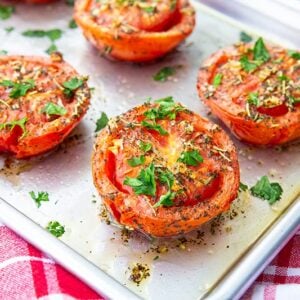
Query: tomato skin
40, 136
136, 211
144, 43
278, 126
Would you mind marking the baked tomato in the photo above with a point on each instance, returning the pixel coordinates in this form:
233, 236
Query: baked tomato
163, 170
255, 91
137, 31
41, 101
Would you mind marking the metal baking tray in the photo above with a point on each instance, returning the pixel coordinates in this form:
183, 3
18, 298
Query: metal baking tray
220, 260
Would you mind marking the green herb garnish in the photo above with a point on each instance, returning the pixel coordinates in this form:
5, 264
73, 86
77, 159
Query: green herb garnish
145, 147
164, 73
149, 9
51, 49
71, 86
12, 124
52, 34
294, 54
18, 89
6, 11
266, 190
3, 52
217, 80
54, 109
39, 198
260, 51
243, 187
191, 158
136, 161
253, 99
101, 122
144, 183
55, 228
154, 126
166, 177
72, 24
9, 29
70, 2
245, 37
247, 65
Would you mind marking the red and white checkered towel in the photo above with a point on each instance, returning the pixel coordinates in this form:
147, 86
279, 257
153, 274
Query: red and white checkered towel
25, 273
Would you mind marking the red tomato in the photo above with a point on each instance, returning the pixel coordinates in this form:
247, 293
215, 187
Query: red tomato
135, 31
197, 155
37, 119
274, 119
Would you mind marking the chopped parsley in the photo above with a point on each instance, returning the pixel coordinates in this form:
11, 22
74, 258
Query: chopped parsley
260, 51
260, 56
266, 190
9, 29
283, 78
164, 73
167, 109
243, 187
166, 177
12, 124
145, 146
144, 183
101, 122
217, 80
71, 86
149, 9
39, 198
191, 158
51, 49
55, 228
253, 99
52, 34
3, 52
294, 54
54, 109
245, 37
154, 126
6, 11
72, 24
247, 65
18, 89
136, 161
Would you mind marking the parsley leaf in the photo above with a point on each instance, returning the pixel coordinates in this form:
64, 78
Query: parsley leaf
6, 11
3, 52
167, 109
71, 86
245, 37
145, 146
154, 126
149, 9
145, 183
9, 29
41, 196
55, 228
294, 54
136, 161
101, 122
72, 24
54, 109
191, 158
260, 51
268, 191
12, 124
167, 178
52, 34
243, 187
217, 80
253, 99
51, 49
18, 89
164, 73
247, 65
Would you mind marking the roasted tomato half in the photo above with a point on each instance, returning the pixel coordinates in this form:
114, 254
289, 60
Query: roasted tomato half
255, 90
137, 30
41, 101
164, 170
